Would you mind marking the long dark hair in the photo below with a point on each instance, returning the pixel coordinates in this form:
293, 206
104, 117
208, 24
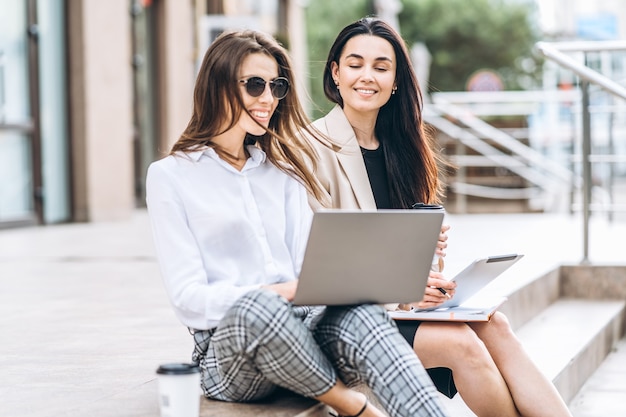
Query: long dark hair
412, 163
217, 102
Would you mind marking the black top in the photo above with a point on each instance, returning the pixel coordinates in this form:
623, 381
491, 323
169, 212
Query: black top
377, 173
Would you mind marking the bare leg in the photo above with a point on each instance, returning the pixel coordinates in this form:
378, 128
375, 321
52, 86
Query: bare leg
348, 402
533, 393
478, 380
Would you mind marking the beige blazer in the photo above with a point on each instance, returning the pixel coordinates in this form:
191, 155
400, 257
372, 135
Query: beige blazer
341, 169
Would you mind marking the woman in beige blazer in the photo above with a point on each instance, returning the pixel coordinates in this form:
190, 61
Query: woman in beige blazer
374, 153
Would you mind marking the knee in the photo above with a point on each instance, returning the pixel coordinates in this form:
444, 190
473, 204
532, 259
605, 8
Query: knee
356, 323
498, 327
366, 317
258, 308
474, 354
497, 333
451, 345
500, 322
465, 341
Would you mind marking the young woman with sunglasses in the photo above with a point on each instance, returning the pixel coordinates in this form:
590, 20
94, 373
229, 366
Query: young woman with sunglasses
375, 153
230, 218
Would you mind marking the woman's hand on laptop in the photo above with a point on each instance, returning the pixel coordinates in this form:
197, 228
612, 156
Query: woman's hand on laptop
284, 289
433, 295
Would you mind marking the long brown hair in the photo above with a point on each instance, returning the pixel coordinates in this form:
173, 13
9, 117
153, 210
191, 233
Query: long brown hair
412, 163
218, 103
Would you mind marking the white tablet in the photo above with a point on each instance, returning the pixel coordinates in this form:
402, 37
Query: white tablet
476, 276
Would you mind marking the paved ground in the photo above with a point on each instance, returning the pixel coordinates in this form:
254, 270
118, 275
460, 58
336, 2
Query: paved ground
85, 322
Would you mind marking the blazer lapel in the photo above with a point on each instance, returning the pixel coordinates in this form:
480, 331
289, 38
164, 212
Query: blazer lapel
350, 157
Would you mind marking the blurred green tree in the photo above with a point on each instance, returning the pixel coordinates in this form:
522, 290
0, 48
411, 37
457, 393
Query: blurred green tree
466, 36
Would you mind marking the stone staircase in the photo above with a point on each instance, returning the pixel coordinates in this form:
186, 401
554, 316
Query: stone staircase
569, 320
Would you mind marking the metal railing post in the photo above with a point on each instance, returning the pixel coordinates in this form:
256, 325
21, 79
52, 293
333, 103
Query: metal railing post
587, 75
461, 174
586, 166
611, 151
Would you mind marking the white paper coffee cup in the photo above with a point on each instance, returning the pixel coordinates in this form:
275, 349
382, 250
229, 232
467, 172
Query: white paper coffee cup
179, 390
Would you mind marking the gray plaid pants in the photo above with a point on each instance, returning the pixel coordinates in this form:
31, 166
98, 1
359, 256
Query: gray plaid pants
264, 342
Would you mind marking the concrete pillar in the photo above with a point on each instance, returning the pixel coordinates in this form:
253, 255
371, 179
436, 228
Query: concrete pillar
296, 28
178, 65
100, 79
101, 98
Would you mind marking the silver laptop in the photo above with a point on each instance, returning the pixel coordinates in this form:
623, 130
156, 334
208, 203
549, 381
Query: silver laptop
356, 257
476, 276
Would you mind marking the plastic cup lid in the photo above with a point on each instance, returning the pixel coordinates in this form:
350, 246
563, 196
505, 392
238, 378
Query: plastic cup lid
178, 369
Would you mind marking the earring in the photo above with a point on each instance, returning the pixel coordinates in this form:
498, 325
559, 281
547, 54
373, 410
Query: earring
393, 91
337, 84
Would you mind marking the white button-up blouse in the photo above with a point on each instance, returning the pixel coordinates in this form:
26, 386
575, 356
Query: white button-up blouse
220, 232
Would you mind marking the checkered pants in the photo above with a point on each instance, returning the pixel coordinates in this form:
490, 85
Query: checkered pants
264, 342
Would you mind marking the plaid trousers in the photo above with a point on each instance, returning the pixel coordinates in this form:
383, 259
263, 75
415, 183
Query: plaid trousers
264, 342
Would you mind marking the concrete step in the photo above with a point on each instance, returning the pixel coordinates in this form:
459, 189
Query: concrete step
603, 393
571, 338
282, 404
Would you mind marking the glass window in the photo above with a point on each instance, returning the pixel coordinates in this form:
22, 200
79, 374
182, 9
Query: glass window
16, 196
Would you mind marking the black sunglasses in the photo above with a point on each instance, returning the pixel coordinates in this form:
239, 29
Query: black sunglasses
255, 86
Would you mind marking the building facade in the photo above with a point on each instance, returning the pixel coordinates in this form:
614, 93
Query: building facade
92, 92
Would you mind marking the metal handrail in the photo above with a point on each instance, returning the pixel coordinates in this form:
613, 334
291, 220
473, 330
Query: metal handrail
432, 115
553, 51
509, 142
588, 46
